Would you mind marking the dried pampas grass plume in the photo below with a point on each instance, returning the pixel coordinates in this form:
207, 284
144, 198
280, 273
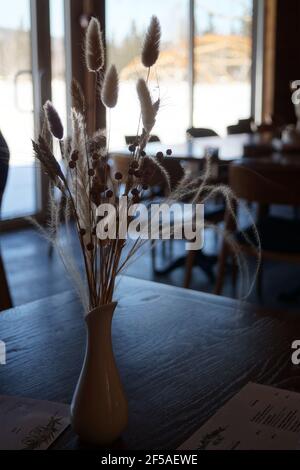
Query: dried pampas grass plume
110, 89
148, 109
49, 162
78, 100
53, 120
150, 51
94, 49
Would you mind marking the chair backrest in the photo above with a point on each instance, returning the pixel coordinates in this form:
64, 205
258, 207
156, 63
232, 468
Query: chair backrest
4, 161
131, 139
265, 183
244, 126
201, 132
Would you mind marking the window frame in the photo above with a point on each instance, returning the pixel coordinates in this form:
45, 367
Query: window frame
41, 78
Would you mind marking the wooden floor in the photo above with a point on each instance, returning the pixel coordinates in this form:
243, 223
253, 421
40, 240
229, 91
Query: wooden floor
32, 274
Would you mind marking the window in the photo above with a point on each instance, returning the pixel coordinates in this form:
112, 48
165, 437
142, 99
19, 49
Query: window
16, 116
213, 66
25, 64
222, 58
126, 23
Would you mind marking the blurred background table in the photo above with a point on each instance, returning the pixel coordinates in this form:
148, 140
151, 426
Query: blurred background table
230, 147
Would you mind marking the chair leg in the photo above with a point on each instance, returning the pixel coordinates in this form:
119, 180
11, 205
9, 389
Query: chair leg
221, 269
5, 297
190, 258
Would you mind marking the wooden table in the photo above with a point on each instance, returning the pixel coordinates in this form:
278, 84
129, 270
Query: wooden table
182, 354
230, 147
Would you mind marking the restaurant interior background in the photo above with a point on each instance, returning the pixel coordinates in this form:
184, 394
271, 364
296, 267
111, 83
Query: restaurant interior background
227, 77
221, 62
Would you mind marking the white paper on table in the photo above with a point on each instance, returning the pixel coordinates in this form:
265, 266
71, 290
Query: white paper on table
259, 417
30, 424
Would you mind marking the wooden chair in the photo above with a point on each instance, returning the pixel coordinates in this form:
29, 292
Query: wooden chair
196, 132
244, 126
213, 213
5, 297
265, 184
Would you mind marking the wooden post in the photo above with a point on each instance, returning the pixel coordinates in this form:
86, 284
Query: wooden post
80, 12
269, 58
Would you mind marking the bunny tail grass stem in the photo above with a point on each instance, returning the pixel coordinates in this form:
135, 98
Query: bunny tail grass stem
78, 100
140, 117
110, 87
53, 120
81, 241
150, 50
94, 50
79, 234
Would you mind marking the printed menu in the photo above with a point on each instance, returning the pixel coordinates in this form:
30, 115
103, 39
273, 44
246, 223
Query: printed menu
30, 424
259, 417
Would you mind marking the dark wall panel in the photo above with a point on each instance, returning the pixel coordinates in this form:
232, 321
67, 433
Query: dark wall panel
287, 59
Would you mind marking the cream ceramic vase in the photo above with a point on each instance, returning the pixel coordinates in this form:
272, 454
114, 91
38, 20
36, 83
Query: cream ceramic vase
99, 410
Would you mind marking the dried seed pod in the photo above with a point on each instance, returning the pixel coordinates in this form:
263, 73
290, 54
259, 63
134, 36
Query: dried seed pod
135, 192
118, 176
75, 155
134, 164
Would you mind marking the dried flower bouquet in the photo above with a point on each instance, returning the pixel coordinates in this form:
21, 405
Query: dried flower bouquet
89, 179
